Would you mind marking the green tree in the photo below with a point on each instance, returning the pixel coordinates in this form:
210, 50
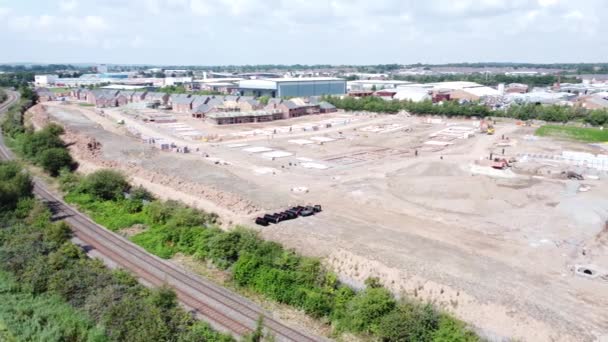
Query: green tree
55, 159
264, 99
105, 185
14, 185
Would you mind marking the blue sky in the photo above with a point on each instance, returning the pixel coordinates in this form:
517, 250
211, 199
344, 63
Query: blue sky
214, 32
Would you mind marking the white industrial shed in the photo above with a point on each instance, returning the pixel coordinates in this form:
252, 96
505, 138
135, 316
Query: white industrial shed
412, 94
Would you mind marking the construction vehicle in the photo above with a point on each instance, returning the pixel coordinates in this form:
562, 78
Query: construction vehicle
485, 126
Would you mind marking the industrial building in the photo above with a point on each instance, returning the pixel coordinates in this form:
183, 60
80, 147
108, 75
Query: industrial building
361, 85
293, 87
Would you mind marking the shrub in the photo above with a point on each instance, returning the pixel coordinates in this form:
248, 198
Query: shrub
105, 185
366, 310
409, 322
55, 159
14, 185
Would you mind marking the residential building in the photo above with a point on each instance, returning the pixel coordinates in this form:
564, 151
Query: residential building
592, 102
44, 95
243, 117
181, 103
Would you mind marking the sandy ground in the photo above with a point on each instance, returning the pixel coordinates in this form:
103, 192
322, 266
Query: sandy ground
500, 249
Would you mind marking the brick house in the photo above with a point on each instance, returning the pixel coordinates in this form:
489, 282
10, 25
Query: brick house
181, 103
122, 99
326, 107
202, 110
249, 105
138, 96
157, 98
45, 95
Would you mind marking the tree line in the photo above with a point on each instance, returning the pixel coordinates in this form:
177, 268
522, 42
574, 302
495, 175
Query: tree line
490, 79
551, 113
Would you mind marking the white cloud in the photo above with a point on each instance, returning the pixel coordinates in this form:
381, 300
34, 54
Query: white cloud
93, 22
200, 7
574, 15
339, 31
68, 5
548, 3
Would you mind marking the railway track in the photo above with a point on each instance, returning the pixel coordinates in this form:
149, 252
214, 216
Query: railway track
222, 308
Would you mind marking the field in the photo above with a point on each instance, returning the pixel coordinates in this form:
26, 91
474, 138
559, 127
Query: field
575, 133
412, 201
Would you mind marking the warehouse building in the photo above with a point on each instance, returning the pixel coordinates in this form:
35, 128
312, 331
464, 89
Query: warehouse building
293, 87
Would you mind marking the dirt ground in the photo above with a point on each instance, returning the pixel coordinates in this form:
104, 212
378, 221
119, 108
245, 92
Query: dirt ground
507, 251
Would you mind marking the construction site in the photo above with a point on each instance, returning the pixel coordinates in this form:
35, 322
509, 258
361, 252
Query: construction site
505, 229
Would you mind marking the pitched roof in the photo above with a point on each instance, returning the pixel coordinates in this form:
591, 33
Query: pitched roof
326, 105
203, 108
215, 102
251, 102
275, 101
180, 99
290, 105
231, 98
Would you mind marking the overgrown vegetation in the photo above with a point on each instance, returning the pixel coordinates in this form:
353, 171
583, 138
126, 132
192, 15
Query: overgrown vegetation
576, 133
42, 317
264, 267
56, 293
553, 113
3, 96
43, 148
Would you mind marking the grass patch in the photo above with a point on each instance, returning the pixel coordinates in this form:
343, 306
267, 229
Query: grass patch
114, 215
86, 105
575, 133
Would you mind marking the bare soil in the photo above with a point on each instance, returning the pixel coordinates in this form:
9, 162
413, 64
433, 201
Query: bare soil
496, 248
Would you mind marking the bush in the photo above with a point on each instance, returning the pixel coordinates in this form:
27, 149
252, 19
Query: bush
14, 185
105, 185
55, 159
409, 322
33, 144
452, 330
367, 309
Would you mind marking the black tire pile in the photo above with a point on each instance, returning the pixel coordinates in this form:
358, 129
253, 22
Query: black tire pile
288, 214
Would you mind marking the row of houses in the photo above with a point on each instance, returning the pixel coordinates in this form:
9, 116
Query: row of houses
253, 111
220, 110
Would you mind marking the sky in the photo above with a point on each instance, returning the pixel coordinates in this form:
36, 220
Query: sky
221, 32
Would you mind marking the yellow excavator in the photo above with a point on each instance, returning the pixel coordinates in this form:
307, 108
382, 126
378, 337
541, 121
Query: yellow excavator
487, 127
491, 129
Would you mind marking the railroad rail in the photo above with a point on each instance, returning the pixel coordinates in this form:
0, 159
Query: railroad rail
222, 308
